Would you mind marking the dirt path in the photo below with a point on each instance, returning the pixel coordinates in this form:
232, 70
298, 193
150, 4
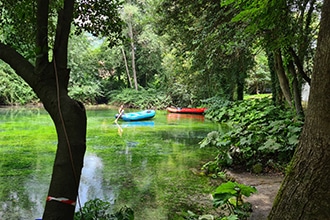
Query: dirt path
267, 186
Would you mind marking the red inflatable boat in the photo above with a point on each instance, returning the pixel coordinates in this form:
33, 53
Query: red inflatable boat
186, 110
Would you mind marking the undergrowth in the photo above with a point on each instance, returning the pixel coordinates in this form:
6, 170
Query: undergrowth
262, 137
101, 210
141, 99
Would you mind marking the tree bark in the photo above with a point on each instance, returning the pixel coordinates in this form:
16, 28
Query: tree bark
69, 117
71, 141
304, 193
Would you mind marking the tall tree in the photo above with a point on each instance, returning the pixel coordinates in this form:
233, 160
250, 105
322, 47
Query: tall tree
143, 47
287, 30
37, 51
128, 13
304, 192
217, 51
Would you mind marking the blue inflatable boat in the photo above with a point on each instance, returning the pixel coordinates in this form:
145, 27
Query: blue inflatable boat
138, 116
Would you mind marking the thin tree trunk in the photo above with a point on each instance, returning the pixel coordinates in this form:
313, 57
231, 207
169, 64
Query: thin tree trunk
127, 70
277, 96
296, 90
299, 66
130, 29
284, 82
305, 193
240, 86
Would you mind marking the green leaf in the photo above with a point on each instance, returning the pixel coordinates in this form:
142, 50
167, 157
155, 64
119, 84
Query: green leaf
221, 199
293, 140
228, 187
228, 190
231, 217
234, 188
270, 145
294, 129
247, 190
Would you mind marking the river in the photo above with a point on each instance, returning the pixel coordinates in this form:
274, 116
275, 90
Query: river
144, 165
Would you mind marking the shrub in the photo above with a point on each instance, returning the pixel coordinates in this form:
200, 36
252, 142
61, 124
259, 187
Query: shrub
101, 210
142, 99
261, 133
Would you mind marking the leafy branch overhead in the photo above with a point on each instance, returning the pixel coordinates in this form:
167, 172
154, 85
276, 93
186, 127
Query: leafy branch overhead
100, 18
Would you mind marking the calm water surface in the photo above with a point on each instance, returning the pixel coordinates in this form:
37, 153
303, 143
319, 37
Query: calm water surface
145, 165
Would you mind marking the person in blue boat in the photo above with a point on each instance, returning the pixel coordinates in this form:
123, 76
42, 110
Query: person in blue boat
120, 112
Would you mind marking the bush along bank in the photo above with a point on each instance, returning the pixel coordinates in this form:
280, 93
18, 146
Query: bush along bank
262, 137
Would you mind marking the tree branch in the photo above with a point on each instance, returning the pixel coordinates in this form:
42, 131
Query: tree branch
42, 34
21, 66
62, 33
299, 66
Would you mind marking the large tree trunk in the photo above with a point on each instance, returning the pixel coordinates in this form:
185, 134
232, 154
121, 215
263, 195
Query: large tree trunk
70, 120
304, 193
69, 117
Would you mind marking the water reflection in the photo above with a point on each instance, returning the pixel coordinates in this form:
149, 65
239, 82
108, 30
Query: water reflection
91, 187
34, 187
173, 117
137, 124
146, 123
91, 182
25, 200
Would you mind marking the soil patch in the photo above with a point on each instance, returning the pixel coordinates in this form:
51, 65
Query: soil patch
267, 186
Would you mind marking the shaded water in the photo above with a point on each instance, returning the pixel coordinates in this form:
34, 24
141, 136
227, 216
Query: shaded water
144, 165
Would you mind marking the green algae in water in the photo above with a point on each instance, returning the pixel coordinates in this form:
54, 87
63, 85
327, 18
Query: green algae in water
146, 167
27, 147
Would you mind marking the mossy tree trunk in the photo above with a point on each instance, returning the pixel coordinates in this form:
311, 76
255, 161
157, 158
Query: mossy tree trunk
304, 193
